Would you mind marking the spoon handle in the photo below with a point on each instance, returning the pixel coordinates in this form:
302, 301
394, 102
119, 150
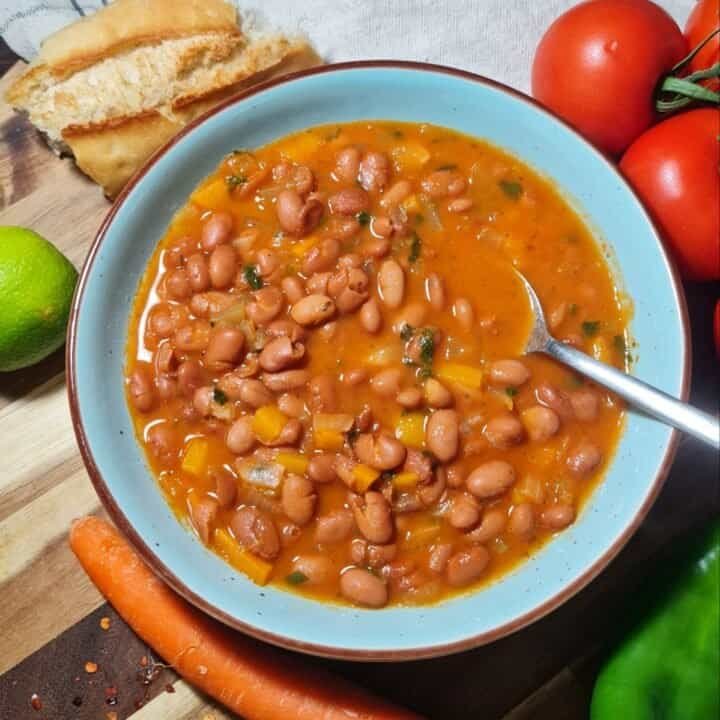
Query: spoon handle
652, 401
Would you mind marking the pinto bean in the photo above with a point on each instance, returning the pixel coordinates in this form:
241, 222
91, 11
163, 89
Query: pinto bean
355, 376
386, 383
322, 257
140, 388
202, 400
420, 464
289, 435
364, 419
413, 314
317, 283
373, 516
207, 304
313, 310
444, 183
190, 376
265, 305
464, 512
291, 405
318, 569
508, 373
163, 442
492, 524
298, 216
363, 588
225, 488
193, 336
442, 434
358, 551
341, 227
225, 348
504, 431
347, 165
177, 254
323, 395
551, 397
379, 555
293, 288
491, 479
216, 230
584, 458
254, 529
391, 283
435, 291
585, 405
267, 262
198, 273
281, 353
349, 201
285, 380
381, 228
343, 467
467, 566
374, 171
321, 468
396, 193
348, 286
522, 521
436, 394
438, 557
464, 314
222, 266
286, 328
166, 387
298, 499
253, 393
240, 437
410, 398
177, 284
160, 322
382, 451
460, 205
557, 517
540, 422
429, 493
203, 515
455, 476
244, 240
334, 527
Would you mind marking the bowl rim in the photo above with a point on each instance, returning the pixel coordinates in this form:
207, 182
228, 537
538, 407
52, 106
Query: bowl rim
420, 652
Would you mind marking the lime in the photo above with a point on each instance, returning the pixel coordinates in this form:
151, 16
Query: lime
36, 288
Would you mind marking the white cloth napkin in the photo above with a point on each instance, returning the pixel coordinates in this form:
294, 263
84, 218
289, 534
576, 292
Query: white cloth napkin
491, 37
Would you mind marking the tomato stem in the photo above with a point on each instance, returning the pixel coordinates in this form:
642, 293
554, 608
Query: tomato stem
685, 90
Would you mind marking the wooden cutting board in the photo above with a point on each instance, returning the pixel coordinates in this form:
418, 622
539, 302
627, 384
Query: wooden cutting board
53, 621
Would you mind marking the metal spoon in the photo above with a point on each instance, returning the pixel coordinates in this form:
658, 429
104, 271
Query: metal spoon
638, 393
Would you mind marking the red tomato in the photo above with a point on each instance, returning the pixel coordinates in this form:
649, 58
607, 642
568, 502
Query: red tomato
717, 328
702, 21
674, 169
598, 65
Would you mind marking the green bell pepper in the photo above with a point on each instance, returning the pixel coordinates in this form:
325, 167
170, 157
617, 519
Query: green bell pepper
668, 667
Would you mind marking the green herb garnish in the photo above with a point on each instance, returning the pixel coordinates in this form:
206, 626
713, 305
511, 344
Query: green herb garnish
424, 372
590, 327
296, 578
334, 134
363, 217
511, 188
427, 346
511, 391
397, 133
451, 166
406, 332
619, 343
233, 181
250, 273
415, 248
575, 381
219, 396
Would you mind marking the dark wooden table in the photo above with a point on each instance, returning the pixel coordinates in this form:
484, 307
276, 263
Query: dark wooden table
544, 671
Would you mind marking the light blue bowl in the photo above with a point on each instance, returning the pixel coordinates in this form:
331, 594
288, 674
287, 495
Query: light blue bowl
393, 91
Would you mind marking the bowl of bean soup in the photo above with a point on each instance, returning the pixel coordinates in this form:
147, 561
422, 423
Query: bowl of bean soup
297, 372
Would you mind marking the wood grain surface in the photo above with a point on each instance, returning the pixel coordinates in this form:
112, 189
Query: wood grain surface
51, 617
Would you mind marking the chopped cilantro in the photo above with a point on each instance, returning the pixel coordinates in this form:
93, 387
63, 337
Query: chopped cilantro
233, 181
363, 217
427, 345
397, 133
619, 343
406, 332
296, 578
424, 372
511, 188
511, 391
415, 248
250, 273
575, 381
219, 396
590, 327
334, 135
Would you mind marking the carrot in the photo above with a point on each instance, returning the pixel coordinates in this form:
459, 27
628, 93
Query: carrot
254, 680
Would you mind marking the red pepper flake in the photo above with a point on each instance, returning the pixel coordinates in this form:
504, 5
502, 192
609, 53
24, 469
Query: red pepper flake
35, 702
105, 623
90, 667
169, 688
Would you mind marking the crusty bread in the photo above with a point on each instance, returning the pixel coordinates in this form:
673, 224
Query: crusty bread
113, 87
